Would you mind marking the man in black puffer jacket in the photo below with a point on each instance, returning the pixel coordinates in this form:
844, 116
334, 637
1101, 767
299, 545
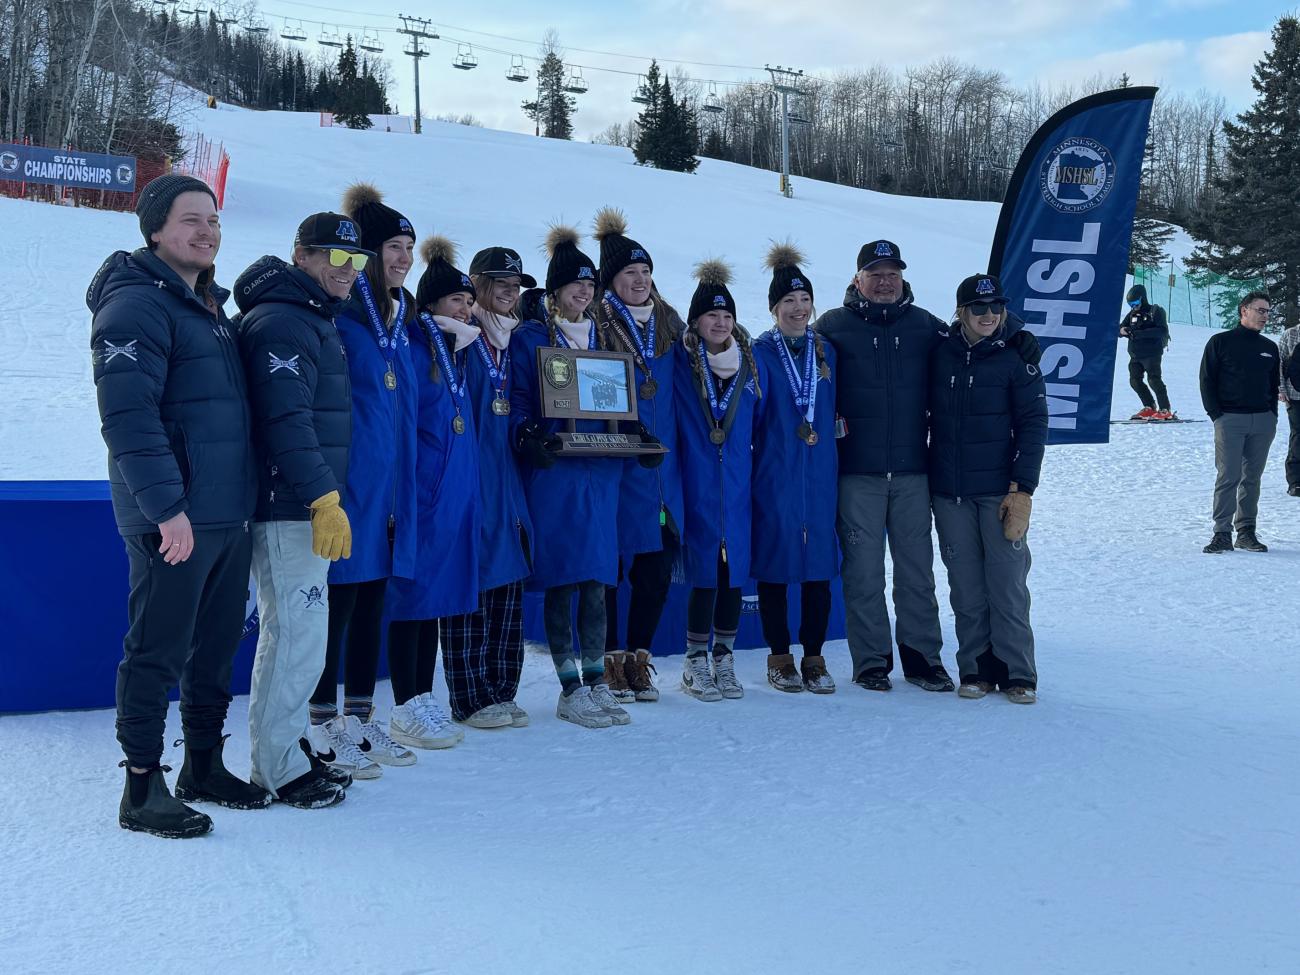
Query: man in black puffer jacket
174, 414
302, 409
883, 343
1147, 332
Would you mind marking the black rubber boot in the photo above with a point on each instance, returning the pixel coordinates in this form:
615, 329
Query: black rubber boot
205, 778
147, 807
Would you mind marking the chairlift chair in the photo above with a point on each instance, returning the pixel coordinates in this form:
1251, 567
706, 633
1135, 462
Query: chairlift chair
187, 11
890, 144
576, 84
712, 103
516, 71
256, 25
226, 15
329, 38
293, 31
370, 41
465, 60
641, 93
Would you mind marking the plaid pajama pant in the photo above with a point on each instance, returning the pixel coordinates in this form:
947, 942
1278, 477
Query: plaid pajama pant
483, 651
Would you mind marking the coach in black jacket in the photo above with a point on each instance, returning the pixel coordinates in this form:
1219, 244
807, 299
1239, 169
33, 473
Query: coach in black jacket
174, 414
302, 408
1241, 372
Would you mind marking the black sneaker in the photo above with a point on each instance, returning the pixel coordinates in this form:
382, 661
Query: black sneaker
1247, 542
936, 680
205, 778
1294, 490
873, 680
1221, 542
311, 790
147, 807
330, 773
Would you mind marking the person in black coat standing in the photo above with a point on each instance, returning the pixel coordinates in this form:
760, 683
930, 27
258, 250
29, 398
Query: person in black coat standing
988, 431
302, 409
174, 414
1147, 332
1240, 378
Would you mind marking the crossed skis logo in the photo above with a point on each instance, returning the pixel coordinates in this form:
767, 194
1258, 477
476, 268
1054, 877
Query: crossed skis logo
111, 351
277, 364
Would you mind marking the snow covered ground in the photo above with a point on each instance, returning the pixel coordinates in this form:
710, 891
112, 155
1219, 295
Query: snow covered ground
1141, 818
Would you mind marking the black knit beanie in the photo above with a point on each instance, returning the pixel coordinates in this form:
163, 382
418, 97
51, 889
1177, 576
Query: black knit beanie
441, 277
568, 263
378, 221
617, 250
787, 277
157, 197
711, 293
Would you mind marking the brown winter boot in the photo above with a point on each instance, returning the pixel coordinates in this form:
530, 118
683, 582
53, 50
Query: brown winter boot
781, 673
616, 677
816, 678
637, 667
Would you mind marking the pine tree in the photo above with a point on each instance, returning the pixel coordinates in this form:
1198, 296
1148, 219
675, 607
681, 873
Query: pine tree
552, 110
1250, 230
1149, 246
649, 123
668, 134
349, 103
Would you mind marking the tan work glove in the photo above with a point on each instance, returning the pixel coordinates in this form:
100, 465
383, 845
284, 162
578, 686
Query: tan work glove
1014, 513
331, 533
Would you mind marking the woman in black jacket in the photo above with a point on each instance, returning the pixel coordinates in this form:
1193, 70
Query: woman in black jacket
988, 428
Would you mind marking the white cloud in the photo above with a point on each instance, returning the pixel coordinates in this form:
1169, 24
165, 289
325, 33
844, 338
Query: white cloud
1226, 63
1152, 63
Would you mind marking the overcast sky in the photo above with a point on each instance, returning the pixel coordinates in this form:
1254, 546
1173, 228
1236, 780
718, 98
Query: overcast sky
1177, 44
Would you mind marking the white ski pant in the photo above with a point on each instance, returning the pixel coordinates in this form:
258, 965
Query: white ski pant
293, 612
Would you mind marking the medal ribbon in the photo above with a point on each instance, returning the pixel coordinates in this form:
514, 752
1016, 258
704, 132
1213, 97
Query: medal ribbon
719, 408
645, 351
499, 374
455, 381
805, 400
372, 312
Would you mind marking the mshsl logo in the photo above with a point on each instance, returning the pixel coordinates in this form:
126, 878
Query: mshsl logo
1077, 175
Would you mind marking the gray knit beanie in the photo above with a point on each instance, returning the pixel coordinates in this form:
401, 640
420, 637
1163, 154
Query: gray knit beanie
157, 197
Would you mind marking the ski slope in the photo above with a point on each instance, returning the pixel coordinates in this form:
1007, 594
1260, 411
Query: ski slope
1140, 819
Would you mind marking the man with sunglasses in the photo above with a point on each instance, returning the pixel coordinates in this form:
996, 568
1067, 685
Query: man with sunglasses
1241, 373
1147, 331
302, 420
174, 413
883, 342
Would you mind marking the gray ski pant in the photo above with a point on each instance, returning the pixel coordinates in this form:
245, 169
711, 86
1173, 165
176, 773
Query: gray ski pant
988, 582
293, 612
871, 510
1241, 442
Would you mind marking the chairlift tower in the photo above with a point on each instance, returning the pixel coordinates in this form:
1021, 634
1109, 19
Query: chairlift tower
419, 29
785, 82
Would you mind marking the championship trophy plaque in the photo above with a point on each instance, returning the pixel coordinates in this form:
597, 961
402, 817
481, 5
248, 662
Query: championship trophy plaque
581, 384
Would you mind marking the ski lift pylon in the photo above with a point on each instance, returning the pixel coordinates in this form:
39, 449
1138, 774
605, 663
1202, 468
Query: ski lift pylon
465, 59
576, 84
516, 71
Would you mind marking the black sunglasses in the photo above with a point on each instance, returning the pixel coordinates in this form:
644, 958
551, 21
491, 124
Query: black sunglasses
978, 308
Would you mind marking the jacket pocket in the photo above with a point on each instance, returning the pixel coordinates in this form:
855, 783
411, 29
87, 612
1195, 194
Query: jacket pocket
181, 452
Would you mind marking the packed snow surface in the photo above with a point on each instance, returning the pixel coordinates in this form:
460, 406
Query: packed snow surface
1140, 818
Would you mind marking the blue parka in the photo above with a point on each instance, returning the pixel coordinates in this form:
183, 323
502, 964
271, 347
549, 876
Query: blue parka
381, 471
988, 417
507, 533
794, 485
575, 502
644, 491
447, 492
298, 388
716, 479
173, 404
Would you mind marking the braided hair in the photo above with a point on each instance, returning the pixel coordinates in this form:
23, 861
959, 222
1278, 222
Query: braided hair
715, 272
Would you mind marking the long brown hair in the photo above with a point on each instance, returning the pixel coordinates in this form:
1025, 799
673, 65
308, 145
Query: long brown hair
668, 323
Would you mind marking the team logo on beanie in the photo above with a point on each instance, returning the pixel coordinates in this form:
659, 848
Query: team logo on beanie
719, 301
797, 284
465, 282
587, 273
985, 287
347, 230
637, 255
405, 225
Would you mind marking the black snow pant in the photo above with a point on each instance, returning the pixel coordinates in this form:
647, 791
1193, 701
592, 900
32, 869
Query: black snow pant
1151, 366
1293, 445
186, 621
649, 577
814, 615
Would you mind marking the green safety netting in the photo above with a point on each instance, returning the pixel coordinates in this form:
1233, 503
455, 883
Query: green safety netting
1189, 298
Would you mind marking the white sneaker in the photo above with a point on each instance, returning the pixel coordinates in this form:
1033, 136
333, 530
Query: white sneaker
579, 708
607, 702
376, 745
422, 723
724, 675
334, 745
492, 716
518, 716
697, 679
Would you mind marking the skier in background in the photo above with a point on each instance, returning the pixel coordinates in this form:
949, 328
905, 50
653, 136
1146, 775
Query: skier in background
1147, 332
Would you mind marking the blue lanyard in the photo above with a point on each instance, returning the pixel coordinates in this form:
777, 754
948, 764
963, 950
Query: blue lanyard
646, 349
719, 408
372, 312
804, 399
455, 382
499, 374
